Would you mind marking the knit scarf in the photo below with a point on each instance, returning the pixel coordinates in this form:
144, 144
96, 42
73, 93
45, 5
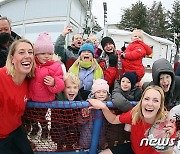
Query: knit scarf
98, 73
85, 64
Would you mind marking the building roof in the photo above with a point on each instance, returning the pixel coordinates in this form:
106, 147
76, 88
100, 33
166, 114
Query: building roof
2, 2
124, 32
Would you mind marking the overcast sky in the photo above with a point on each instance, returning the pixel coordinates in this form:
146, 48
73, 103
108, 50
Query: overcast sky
114, 8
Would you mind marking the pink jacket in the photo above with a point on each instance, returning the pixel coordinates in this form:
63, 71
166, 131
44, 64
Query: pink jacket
40, 92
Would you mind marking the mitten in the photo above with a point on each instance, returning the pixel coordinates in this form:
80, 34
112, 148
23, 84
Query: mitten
113, 60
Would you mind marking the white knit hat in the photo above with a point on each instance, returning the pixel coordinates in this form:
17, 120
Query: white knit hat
100, 84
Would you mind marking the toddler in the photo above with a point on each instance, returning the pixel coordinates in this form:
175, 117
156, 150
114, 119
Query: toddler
134, 53
100, 91
47, 82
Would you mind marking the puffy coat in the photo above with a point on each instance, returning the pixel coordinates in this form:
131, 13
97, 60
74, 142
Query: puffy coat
134, 54
122, 99
110, 73
172, 97
40, 92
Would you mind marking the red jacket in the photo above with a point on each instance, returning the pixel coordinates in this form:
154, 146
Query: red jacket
40, 92
134, 54
110, 74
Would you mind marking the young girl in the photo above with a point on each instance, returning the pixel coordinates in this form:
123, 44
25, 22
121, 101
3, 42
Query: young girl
47, 82
149, 110
87, 68
94, 40
64, 129
100, 91
134, 53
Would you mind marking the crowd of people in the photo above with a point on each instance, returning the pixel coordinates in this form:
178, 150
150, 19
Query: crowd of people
93, 73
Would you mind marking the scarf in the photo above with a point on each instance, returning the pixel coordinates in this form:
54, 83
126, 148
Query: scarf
98, 73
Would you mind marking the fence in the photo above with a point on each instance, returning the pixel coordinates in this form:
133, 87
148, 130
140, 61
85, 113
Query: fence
69, 127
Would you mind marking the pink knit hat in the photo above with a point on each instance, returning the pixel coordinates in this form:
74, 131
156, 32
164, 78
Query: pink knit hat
43, 44
100, 84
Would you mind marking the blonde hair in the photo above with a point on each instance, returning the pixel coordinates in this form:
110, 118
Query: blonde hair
92, 39
137, 32
12, 50
72, 77
137, 110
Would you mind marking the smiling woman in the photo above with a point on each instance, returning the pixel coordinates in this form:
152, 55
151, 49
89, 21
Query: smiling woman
149, 110
13, 97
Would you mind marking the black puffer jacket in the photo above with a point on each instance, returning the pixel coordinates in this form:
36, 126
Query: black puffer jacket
172, 97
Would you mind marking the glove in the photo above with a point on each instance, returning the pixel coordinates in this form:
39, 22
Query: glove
123, 48
113, 60
84, 93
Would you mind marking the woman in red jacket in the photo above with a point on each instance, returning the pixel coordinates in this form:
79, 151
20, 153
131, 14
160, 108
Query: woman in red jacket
13, 97
110, 61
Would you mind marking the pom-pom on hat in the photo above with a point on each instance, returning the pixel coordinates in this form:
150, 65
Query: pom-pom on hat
107, 40
88, 47
43, 44
132, 76
100, 84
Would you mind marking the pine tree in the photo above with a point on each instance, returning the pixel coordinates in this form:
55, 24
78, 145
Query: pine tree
175, 25
135, 17
157, 20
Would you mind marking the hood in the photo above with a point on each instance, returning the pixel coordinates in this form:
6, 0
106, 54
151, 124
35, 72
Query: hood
146, 47
162, 66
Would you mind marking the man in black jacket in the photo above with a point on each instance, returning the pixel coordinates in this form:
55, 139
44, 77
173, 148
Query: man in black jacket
5, 27
4, 44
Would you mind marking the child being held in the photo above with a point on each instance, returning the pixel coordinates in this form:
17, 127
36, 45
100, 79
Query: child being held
47, 82
100, 91
134, 53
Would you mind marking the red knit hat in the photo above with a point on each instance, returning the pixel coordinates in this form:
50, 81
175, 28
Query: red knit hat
43, 44
100, 84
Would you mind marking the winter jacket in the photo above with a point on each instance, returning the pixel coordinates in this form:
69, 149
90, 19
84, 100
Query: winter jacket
172, 97
110, 73
134, 54
97, 52
86, 76
178, 70
122, 99
40, 92
3, 56
69, 55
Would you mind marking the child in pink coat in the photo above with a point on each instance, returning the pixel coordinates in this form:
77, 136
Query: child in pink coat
47, 82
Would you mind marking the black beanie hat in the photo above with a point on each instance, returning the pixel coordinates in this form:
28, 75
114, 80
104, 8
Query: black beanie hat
132, 76
107, 40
